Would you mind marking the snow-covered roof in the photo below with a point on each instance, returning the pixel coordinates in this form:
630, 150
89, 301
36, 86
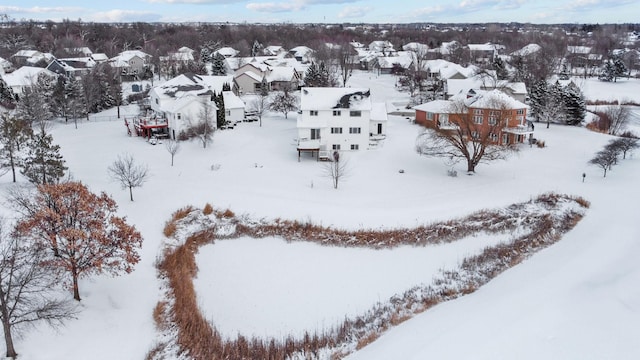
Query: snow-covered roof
381, 45
491, 99
447, 69
435, 106
405, 60
482, 47
280, 73
415, 47
227, 51
186, 49
79, 50
129, 54
232, 101
327, 98
527, 50
27, 53
273, 50
26, 76
191, 84
379, 111
178, 56
301, 51
99, 57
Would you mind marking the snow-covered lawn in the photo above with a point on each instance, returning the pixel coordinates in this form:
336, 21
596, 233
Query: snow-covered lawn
576, 299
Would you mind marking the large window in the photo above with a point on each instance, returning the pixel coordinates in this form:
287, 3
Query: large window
337, 113
354, 130
429, 116
477, 120
494, 137
520, 111
492, 120
336, 130
313, 112
477, 111
355, 113
315, 134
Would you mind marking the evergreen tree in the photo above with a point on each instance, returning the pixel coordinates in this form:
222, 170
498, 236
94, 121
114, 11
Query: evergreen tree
44, 163
7, 97
256, 48
312, 76
325, 76
537, 98
218, 65
76, 101
220, 114
564, 73
33, 106
608, 72
574, 105
264, 87
13, 133
619, 68
205, 55
226, 87
500, 68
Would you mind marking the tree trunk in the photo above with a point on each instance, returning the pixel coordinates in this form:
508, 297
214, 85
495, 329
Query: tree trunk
131, 193
76, 290
6, 326
471, 166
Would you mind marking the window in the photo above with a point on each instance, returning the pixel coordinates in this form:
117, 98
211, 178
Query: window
355, 113
336, 130
315, 134
477, 111
429, 116
477, 119
355, 146
520, 112
228, 112
492, 120
505, 138
354, 130
494, 137
313, 112
493, 113
178, 116
475, 135
337, 113
335, 146
157, 101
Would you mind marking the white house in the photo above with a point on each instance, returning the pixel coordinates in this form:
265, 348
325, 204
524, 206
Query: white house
181, 99
338, 119
131, 62
233, 107
25, 77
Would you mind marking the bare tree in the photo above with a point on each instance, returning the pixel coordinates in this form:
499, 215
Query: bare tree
346, 59
203, 128
614, 118
464, 139
284, 102
128, 173
27, 287
173, 147
337, 169
259, 106
625, 144
605, 159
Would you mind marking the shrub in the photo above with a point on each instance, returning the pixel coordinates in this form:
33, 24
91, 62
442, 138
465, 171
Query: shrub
540, 143
208, 209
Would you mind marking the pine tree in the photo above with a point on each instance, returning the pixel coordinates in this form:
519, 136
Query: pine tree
220, 114
564, 73
537, 98
574, 105
608, 72
619, 68
256, 48
325, 76
7, 97
33, 107
44, 163
205, 55
500, 68
76, 100
218, 65
312, 76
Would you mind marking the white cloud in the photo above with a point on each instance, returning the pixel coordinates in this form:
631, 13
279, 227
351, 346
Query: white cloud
588, 5
211, 2
37, 9
124, 16
354, 11
294, 5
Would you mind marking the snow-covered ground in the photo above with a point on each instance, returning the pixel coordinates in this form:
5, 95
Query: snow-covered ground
576, 299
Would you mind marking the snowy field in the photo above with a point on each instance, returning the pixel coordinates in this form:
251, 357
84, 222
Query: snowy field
577, 299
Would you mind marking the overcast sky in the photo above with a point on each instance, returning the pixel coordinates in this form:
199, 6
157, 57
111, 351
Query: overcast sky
328, 11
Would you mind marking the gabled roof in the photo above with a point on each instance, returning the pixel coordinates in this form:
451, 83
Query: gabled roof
281, 73
447, 69
191, 85
99, 57
527, 50
327, 98
227, 51
415, 47
435, 106
232, 101
489, 100
404, 59
129, 54
26, 76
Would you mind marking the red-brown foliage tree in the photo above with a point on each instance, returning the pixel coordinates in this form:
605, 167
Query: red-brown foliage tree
82, 230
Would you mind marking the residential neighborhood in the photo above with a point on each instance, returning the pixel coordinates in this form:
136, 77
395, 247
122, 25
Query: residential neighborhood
294, 190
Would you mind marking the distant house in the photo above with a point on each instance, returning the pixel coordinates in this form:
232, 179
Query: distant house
31, 58
338, 119
384, 47
234, 107
403, 60
181, 99
249, 77
227, 52
274, 50
439, 69
72, 67
485, 109
583, 57
483, 53
81, 51
302, 53
131, 62
25, 77
516, 90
